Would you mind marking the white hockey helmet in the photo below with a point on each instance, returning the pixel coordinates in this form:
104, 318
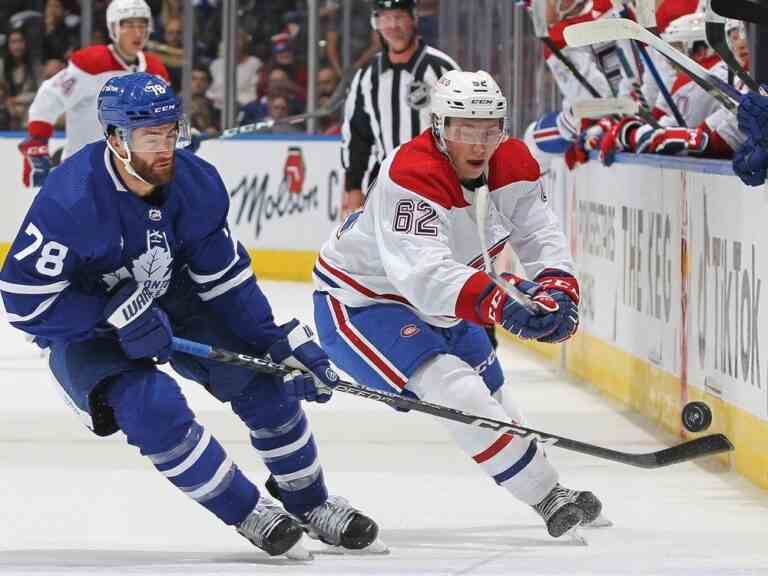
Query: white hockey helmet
731, 25
686, 30
119, 10
459, 94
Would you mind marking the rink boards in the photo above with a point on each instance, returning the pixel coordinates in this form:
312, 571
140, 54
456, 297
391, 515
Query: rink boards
670, 255
671, 262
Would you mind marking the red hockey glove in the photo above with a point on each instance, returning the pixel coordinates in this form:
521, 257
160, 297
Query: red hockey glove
37, 162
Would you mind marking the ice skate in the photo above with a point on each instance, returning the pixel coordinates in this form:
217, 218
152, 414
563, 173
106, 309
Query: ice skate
273, 530
564, 510
600, 522
335, 523
338, 524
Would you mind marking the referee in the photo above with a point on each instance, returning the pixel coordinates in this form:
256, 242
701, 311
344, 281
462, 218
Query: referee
389, 100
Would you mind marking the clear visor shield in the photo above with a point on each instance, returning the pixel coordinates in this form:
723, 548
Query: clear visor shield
483, 135
163, 138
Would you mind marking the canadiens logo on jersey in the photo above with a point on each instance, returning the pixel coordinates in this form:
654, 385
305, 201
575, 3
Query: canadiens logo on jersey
153, 267
418, 95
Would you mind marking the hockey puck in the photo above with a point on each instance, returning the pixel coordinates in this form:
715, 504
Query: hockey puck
696, 416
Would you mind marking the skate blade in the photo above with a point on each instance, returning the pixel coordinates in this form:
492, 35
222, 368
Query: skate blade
575, 537
599, 522
375, 548
298, 552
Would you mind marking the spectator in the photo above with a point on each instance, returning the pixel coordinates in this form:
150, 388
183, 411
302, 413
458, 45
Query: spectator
5, 114
51, 67
202, 115
278, 108
331, 124
284, 58
327, 80
364, 40
279, 84
248, 69
18, 72
208, 118
60, 38
262, 18
171, 52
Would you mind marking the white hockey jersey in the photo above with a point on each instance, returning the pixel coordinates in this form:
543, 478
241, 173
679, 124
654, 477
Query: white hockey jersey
74, 90
415, 242
695, 103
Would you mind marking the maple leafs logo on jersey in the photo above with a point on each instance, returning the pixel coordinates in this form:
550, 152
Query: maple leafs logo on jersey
153, 268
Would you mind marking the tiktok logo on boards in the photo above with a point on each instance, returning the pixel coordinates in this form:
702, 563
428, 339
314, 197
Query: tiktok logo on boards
727, 305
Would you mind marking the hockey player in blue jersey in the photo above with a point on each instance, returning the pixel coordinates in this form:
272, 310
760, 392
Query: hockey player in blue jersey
125, 245
750, 163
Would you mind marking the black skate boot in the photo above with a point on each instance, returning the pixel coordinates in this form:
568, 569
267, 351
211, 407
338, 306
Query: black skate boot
337, 523
563, 509
270, 528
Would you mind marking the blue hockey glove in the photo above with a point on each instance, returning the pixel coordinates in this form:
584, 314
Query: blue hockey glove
299, 350
142, 327
750, 163
564, 289
753, 117
496, 306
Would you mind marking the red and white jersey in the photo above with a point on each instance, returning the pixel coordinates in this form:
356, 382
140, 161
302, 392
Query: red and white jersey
695, 103
605, 65
416, 243
74, 90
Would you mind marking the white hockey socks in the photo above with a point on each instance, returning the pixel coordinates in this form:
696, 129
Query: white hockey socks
515, 463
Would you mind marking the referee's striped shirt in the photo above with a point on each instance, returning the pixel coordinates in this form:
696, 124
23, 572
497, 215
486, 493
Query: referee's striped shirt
387, 105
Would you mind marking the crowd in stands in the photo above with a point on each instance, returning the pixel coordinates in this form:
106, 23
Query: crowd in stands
39, 36
272, 78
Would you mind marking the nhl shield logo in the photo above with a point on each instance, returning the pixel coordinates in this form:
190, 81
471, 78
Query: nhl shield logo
155, 214
418, 95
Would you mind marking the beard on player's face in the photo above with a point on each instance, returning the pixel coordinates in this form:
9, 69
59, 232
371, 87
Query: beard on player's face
157, 168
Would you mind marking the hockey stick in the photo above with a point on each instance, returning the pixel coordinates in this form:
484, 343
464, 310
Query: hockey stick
481, 213
700, 447
715, 30
646, 17
538, 18
539, 21
621, 28
335, 102
600, 107
742, 10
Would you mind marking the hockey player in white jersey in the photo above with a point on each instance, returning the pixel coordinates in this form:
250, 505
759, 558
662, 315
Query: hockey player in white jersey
607, 70
710, 130
74, 90
401, 296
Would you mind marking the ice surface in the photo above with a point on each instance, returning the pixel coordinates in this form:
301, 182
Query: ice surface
77, 504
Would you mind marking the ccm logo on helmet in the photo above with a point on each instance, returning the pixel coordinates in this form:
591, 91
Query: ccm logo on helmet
164, 108
156, 89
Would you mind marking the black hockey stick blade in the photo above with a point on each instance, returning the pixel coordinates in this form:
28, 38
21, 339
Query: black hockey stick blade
747, 10
715, 32
705, 446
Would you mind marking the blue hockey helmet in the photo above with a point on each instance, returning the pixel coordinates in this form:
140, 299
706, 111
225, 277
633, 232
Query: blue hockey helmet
139, 100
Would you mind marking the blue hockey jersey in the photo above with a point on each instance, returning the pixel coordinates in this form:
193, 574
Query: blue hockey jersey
85, 233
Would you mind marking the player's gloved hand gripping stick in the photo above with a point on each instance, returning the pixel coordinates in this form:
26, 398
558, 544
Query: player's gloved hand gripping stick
481, 213
703, 446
